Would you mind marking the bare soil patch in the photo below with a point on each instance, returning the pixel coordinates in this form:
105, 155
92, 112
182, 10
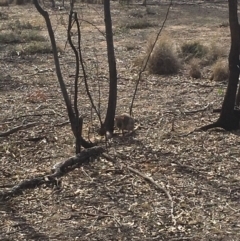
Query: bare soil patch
105, 200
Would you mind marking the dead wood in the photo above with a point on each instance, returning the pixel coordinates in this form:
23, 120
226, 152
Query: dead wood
59, 170
17, 128
196, 111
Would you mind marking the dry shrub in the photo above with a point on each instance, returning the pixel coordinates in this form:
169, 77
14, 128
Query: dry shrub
14, 37
214, 53
151, 10
192, 50
136, 13
195, 71
140, 23
39, 48
163, 59
220, 71
208, 54
19, 25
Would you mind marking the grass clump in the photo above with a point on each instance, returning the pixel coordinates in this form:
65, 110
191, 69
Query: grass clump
10, 38
28, 36
15, 37
136, 13
151, 10
32, 48
220, 71
193, 50
130, 46
214, 53
141, 23
17, 25
163, 59
195, 71
38, 47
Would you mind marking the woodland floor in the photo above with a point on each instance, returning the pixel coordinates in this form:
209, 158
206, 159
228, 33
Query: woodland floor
105, 200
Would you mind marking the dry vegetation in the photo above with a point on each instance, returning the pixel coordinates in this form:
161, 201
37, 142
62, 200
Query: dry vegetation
220, 71
106, 200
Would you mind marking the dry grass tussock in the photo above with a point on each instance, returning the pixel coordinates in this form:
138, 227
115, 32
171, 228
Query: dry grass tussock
163, 59
193, 49
137, 23
220, 71
214, 53
195, 71
208, 54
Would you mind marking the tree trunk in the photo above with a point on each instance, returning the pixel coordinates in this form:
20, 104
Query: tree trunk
112, 99
74, 120
228, 119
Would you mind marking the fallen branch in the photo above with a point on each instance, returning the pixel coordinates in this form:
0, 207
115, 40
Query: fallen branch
59, 170
196, 111
149, 179
17, 128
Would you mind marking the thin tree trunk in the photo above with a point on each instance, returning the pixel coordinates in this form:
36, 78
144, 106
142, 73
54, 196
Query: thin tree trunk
228, 119
112, 99
72, 117
238, 93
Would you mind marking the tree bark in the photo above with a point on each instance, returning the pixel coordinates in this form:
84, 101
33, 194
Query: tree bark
229, 119
112, 99
74, 120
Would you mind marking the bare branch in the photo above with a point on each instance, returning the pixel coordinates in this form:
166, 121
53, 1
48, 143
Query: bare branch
149, 179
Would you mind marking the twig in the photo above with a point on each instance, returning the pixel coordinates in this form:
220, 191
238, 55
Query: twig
182, 238
158, 186
17, 128
195, 111
35, 139
144, 66
62, 124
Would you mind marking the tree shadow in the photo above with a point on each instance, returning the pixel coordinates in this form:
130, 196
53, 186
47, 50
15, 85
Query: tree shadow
19, 225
